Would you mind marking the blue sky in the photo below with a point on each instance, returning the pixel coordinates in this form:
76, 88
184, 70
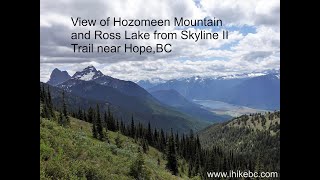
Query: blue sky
253, 44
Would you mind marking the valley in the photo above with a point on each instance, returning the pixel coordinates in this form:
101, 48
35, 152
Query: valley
223, 108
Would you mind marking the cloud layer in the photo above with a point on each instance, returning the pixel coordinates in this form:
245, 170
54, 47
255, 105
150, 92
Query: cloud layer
253, 44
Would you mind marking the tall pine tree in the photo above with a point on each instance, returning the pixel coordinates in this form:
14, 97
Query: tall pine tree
132, 129
172, 163
91, 119
100, 131
64, 111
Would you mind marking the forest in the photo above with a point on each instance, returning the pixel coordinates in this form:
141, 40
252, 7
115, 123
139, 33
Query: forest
249, 142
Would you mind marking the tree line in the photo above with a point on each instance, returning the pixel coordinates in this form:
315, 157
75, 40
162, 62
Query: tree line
184, 147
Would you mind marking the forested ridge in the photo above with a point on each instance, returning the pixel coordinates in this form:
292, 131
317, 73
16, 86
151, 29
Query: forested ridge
250, 142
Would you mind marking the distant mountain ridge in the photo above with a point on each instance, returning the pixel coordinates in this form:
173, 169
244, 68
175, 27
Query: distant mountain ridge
257, 90
128, 97
147, 84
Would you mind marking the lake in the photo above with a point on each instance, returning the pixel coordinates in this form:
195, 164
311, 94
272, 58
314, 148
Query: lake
224, 108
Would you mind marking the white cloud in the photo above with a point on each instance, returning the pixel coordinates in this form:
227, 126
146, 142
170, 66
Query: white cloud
244, 12
243, 52
265, 39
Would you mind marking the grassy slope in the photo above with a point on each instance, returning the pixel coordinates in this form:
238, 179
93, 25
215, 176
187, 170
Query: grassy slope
72, 153
252, 137
256, 123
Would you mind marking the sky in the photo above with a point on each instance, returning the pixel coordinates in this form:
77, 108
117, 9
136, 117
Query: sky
253, 44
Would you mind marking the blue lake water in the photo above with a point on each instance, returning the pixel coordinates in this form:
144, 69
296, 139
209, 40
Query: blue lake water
224, 108
215, 104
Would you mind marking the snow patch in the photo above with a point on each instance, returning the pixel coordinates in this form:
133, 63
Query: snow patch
87, 77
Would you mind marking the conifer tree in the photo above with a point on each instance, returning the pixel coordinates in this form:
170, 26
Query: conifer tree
122, 127
132, 130
100, 131
105, 119
65, 112
94, 129
172, 163
44, 95
145, 146
156, 139
137, 169
85, 116
49, 104
149, 134
80, 115
162, 140
93, 121
117, 126
118, 141
61, 119
41, 94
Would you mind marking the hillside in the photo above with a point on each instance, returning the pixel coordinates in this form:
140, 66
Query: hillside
72, 153
254, 136
261, 92
258, 122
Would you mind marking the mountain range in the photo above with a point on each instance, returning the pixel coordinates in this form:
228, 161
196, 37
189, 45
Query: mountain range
166, 104
128, 99
256, 90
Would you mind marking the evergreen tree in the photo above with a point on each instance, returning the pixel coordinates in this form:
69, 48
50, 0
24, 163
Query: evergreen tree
65, 112
156, 139
118, 141
122, 128
149, 135
132, 130
172, 163
45, 112
177, 143
138, 169
44, 95
93, 121
61, 119
94, 129
163, 142
110, 121
100, 131
41, 94
50, 105
105, 119
117, 126
85, 116
80, 115
145, 146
